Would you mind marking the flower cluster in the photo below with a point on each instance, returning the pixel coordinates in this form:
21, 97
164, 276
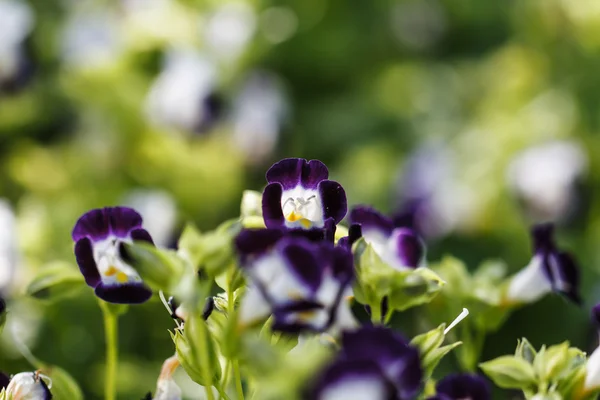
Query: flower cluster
277, 298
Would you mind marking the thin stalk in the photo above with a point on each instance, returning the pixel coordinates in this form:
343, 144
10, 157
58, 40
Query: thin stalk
112, 345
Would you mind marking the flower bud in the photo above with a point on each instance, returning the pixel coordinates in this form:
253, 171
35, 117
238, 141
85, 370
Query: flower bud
29, 386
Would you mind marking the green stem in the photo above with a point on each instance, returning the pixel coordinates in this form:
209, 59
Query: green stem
205, 361
111, 336
376, 314
235, 363
238, 380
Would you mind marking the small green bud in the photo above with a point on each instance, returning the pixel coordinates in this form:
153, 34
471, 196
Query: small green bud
429, 341
55, 281
251, 204
433, 358
161, 269
510, 372
525, 350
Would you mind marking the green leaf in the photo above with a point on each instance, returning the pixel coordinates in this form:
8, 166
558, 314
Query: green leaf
509, 372
64, 387
550, 362
190, 244
159, 268
433, 358
429, 341
55, 281
403, 288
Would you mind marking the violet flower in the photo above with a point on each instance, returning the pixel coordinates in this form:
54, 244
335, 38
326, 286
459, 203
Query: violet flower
549, 270
98, 235
400, 248
299, 195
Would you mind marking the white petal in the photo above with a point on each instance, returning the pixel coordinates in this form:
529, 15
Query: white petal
592, 375
24, 386
254, 307
371, 389
529, 284
306, 203
167, 389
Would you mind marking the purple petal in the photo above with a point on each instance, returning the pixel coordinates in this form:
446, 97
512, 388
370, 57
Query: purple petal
333, 198
94, 224
370, 219
254, 242
562, 271
354, 233
292, 172
128, 293
123, 220
409, 247
141, 235
395, 356
349, 371
303, 260
84, 254
4, 380
284, 320
596, 315
271, 206
342, 265
543, 238
464, 386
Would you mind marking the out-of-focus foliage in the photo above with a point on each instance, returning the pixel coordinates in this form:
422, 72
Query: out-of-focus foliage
482, 116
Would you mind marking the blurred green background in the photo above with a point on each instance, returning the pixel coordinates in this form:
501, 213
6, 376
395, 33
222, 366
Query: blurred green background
475, 119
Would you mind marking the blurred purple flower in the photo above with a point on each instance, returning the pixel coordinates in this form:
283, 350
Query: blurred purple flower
549, 270
374, 363
462, 387
401, 248
302, 283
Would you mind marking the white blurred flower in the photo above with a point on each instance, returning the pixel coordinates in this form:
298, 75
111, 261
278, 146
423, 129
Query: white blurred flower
90, 40
229, 29
8, 246
432, 193
16, 22
544, 176
178, 96
258, 114
159, 211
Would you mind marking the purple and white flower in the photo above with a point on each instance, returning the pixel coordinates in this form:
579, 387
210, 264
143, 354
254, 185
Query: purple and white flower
462, 387
299, 195
28, 386
549, 270
98, 235
400, 248
302, 283
374, 363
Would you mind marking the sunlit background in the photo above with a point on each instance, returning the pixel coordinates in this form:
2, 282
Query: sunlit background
469, 119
